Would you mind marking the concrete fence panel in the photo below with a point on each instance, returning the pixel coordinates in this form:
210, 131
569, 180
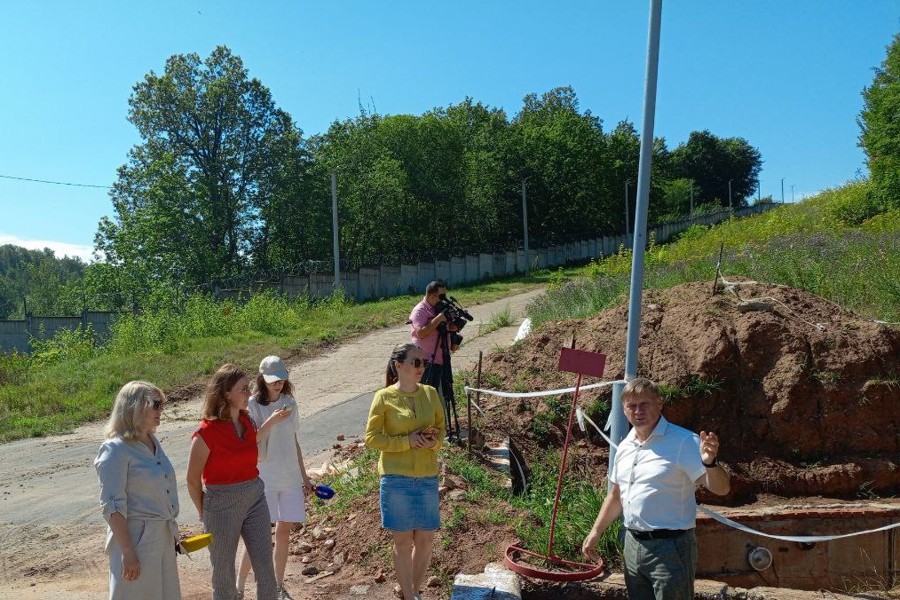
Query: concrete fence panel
427, 273
409, 279
350, 284
369, 284
485, 266
390, 281
472, 272
498, 264
457, 270
442, 270
295, 285
511, 263
321, 285
14, 336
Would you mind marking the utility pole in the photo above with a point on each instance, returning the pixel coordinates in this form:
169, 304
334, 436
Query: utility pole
618, 425
334, 235
525, 227
782, 190
792, 193
729, 192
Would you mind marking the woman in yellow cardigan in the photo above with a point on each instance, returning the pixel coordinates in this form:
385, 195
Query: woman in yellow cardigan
406, 423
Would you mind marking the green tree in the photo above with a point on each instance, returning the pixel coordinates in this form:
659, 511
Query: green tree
561, 151
880, 125
676, 201
47, 284
711, 162
217, 155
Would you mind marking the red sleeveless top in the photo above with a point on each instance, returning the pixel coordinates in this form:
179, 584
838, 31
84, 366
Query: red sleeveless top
231, 459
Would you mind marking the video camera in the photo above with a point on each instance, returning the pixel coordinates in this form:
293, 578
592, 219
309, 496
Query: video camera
452, 311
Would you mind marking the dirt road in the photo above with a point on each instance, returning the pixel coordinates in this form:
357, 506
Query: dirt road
51, 531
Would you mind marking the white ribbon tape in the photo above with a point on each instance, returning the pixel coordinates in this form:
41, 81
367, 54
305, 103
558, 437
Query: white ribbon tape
589, 386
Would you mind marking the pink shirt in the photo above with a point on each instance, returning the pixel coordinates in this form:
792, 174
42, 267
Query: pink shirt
420, 317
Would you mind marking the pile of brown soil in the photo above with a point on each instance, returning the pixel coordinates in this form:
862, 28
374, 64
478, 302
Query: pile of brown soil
804, 395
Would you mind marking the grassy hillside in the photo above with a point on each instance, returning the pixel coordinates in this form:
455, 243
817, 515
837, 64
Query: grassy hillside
835, 245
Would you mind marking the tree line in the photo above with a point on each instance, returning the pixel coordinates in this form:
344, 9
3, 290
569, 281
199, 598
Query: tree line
224, 184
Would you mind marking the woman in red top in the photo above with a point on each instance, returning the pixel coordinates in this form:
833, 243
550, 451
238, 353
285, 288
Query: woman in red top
224, 483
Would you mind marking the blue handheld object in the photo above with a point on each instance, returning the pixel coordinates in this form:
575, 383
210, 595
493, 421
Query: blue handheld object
324, 492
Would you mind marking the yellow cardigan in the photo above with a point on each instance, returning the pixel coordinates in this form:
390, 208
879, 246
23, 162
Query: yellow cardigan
391, 421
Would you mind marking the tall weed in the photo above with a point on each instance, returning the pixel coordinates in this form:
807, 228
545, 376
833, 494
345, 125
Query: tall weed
579, 505
814, 245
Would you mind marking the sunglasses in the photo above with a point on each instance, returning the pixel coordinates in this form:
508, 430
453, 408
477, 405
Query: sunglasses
419, 363
157, 404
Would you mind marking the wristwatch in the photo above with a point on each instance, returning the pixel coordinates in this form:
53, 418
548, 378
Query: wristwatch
712, 464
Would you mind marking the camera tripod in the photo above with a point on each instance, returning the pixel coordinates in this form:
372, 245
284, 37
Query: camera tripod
447, 396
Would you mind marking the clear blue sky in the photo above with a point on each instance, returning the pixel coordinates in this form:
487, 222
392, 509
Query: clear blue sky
785, 75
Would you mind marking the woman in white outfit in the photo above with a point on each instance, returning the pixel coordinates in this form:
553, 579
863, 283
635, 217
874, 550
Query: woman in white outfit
139, 498
282, 470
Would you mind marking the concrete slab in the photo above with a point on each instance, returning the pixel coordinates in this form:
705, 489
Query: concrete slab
496, 583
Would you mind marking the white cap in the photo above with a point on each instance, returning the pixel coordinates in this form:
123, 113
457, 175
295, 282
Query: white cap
272, 369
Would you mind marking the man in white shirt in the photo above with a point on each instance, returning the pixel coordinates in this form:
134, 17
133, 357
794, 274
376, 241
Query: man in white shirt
654, 477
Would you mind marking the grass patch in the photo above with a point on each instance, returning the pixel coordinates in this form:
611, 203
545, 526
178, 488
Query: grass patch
498, 321
68, 380
578, 508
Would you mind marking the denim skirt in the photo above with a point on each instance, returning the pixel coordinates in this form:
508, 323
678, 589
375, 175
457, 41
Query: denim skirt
409, 503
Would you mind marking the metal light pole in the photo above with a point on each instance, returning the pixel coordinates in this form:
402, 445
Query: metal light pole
782, 190
729, 192
617, 422
334, 234
627, 226
525, 227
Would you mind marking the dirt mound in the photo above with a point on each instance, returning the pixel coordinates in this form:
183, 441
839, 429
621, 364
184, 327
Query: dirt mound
804, 394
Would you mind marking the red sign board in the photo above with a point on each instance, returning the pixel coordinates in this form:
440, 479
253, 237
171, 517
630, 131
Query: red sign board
582, 362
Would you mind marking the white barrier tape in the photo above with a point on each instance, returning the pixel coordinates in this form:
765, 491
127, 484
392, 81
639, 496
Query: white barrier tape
790, 538
718, 517
726, 521
478, 408
608, 441
579, 414
589, 386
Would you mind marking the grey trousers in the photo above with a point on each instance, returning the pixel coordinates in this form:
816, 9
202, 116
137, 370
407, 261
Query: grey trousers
661, 569
232, 511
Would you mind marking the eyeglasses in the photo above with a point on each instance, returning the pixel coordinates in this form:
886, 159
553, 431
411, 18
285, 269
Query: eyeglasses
419, 363
157, 404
